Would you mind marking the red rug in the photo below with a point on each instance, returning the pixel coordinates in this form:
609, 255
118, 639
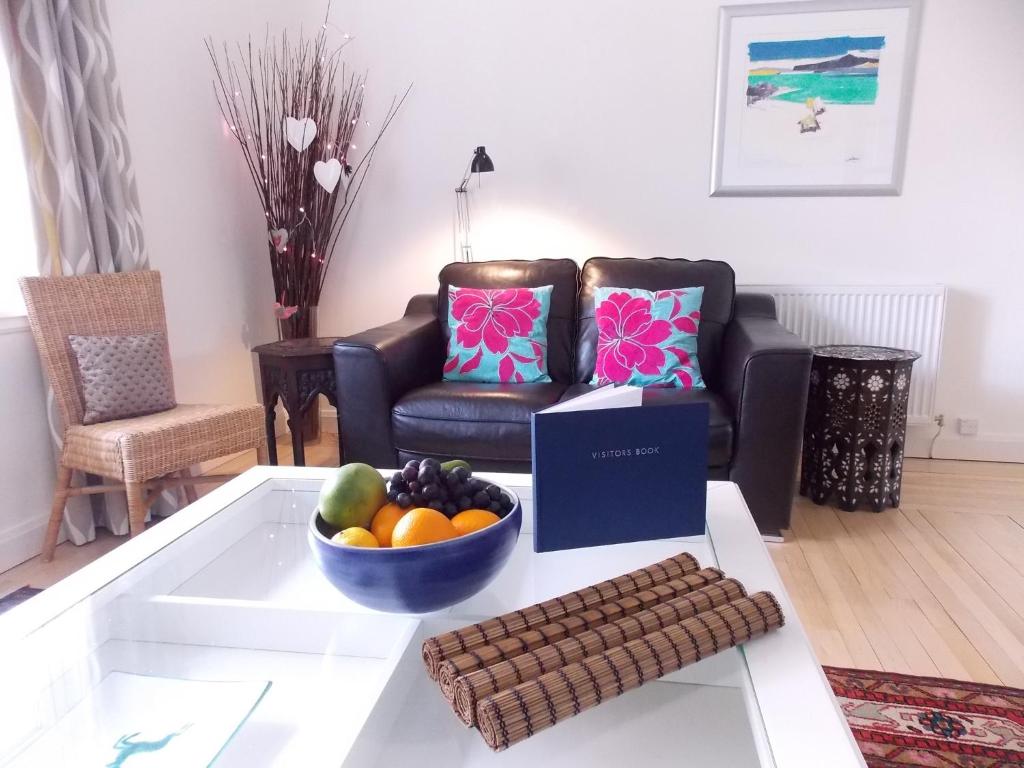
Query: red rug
903, 720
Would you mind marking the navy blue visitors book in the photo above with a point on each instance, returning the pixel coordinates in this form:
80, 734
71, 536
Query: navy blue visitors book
614, 475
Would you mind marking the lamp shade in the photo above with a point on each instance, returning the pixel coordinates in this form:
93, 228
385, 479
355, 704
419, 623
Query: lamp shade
481, 162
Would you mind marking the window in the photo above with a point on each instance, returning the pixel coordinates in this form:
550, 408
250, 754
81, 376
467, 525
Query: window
18, 255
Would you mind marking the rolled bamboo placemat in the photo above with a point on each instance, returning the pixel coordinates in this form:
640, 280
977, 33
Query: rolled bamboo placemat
547, 634
517, 713
528, 666
437, 649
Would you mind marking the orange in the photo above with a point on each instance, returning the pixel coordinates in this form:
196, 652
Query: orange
356, 537
473, 520
384, 522
422, 526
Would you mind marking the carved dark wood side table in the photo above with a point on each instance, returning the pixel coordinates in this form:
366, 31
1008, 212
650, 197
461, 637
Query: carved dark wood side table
856, 425
297, 371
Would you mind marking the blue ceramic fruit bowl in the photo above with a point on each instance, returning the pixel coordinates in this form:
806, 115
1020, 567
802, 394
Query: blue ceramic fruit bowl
416, 579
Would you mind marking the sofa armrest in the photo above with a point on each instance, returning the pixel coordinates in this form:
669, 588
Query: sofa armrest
765, 372
373, 369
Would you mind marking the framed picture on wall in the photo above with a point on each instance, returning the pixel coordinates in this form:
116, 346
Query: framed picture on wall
813, 97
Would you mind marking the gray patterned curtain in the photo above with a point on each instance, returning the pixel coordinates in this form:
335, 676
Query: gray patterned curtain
80, 170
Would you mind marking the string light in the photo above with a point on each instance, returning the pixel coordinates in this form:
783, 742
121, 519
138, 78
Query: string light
329, 145
301, 209
263, 156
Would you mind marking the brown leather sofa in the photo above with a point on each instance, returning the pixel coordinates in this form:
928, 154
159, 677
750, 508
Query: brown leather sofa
394, 406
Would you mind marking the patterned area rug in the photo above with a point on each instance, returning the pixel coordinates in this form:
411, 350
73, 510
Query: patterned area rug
902, 720
17, 597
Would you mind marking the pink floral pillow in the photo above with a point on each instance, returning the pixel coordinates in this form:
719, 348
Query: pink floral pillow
498, 335
648, 338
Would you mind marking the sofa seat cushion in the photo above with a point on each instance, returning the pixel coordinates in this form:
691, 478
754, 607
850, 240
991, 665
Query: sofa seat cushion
720, 418
470, 420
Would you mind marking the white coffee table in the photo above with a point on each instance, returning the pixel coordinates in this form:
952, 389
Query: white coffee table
227, 590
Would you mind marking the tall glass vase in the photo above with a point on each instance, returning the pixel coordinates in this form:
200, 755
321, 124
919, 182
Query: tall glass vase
301, 325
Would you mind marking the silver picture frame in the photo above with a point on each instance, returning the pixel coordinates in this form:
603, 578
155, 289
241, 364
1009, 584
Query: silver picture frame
719, 188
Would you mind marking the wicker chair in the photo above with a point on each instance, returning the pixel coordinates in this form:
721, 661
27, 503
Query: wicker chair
144, 454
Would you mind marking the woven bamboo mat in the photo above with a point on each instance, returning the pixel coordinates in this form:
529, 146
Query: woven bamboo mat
525, 671
437, 649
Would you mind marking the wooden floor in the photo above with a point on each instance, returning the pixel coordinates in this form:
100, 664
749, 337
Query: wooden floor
933, 588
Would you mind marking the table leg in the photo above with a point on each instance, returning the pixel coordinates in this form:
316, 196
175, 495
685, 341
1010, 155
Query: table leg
271, 427
298, 443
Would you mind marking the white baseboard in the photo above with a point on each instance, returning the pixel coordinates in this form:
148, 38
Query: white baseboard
919, 439
329, 420
983, 447
22, 542
949, 445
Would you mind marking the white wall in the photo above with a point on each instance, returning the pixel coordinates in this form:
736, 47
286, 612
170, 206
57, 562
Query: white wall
27, 479
203, 225
598, 115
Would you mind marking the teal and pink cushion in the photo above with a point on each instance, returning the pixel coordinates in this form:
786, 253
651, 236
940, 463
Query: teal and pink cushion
648, 338
498, 335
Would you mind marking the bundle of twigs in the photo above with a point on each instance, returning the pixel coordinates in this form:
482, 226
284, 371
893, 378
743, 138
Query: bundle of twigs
257, 91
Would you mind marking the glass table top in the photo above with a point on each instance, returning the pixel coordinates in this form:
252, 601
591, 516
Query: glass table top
220, 635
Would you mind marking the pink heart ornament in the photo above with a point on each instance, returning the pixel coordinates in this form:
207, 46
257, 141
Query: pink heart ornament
279, 239
282, 312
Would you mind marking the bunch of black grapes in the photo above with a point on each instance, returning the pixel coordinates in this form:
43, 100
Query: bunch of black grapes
427, 484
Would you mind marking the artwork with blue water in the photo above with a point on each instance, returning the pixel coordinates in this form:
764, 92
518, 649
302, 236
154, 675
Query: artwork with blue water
814, 73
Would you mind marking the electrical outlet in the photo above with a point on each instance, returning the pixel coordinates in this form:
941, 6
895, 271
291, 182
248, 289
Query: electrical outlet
967, 426
941, 420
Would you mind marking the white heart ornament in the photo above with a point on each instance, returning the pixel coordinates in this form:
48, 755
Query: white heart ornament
279, 239
300, 133
327, 174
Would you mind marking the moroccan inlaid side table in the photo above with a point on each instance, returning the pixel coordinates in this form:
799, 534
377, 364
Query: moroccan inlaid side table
297, 371
856, 425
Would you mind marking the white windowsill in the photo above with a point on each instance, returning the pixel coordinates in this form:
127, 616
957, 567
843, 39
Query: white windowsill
13, 323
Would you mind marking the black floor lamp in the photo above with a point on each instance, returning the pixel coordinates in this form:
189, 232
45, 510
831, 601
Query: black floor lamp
461, 245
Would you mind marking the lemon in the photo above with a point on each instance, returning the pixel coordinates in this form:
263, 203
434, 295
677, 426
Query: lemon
356, 537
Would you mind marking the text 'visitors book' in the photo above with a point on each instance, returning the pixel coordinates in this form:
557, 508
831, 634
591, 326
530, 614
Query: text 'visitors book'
606, 471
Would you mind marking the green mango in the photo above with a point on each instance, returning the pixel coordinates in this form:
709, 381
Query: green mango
450, 465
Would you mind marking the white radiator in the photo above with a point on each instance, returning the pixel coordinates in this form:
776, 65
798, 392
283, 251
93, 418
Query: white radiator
904, 316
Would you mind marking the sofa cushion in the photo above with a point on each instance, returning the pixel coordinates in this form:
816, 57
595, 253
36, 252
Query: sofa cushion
720, 417
123, 376
561, 274
715, 277
498, 335
648, 338
470, 420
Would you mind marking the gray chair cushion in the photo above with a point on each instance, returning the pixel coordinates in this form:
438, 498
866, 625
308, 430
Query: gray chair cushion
123, 376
